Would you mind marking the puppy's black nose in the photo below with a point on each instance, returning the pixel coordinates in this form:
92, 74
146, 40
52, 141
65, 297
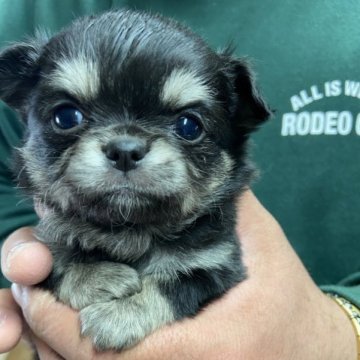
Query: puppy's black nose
125, 152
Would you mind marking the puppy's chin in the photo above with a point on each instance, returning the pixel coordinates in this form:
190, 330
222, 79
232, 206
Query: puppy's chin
126, 206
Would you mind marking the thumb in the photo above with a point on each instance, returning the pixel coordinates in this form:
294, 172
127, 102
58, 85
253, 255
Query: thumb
24, 259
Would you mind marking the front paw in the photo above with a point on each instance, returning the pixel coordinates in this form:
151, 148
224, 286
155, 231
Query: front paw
86, 284
122, 323
112, 325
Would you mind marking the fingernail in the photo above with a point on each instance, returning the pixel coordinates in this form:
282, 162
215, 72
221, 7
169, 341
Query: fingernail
15, 251
40, 209
18, 293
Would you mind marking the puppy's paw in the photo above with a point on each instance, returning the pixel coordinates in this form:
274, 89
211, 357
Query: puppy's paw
112, 325
86, 284
122, 323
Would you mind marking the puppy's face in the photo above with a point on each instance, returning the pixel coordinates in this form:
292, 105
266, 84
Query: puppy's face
131, 119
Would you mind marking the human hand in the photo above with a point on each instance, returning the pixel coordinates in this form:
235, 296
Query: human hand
25, 261
278, 313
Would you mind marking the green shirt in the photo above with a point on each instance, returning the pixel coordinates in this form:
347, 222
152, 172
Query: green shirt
306, 56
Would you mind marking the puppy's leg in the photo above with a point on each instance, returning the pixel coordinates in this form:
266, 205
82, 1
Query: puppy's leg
121, 323
79, 283
85, 284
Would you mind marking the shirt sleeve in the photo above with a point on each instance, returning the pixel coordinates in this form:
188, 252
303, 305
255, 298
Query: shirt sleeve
349, 288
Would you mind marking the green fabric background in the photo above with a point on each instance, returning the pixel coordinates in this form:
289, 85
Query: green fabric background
310, 183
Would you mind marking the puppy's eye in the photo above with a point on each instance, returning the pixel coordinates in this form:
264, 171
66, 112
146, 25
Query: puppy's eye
67, 117
188, 127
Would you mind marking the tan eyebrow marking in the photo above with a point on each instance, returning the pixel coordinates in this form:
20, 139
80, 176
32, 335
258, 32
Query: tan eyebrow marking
184, 87
79, 76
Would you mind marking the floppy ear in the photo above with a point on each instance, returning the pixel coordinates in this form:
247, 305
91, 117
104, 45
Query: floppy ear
18, 72
249, 109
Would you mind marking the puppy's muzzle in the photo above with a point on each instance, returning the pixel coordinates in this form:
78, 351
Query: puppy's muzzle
125, 152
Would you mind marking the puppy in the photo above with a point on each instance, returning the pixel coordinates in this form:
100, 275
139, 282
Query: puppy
136, 144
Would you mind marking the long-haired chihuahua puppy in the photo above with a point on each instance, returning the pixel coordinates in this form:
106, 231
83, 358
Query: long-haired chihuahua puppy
136, 144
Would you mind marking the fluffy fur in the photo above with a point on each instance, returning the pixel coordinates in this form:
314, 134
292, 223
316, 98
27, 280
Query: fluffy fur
134, 249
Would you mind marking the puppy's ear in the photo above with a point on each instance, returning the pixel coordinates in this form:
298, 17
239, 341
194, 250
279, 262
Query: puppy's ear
248, 107
19, 71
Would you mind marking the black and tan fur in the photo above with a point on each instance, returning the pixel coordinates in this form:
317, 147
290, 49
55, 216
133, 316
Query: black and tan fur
134, 250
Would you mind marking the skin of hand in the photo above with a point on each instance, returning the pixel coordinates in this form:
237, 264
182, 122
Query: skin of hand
277, 313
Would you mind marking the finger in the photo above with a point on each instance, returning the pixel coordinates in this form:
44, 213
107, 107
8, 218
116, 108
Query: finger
7, 300
57, 326
25, 260
53, 323
10, 328
44, 351
40, 208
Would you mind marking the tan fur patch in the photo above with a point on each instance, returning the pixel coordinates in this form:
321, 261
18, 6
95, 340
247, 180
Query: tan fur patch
80, 77
184, 87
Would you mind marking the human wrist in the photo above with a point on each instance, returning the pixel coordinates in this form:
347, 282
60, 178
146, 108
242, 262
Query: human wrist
341, 336
353, 314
